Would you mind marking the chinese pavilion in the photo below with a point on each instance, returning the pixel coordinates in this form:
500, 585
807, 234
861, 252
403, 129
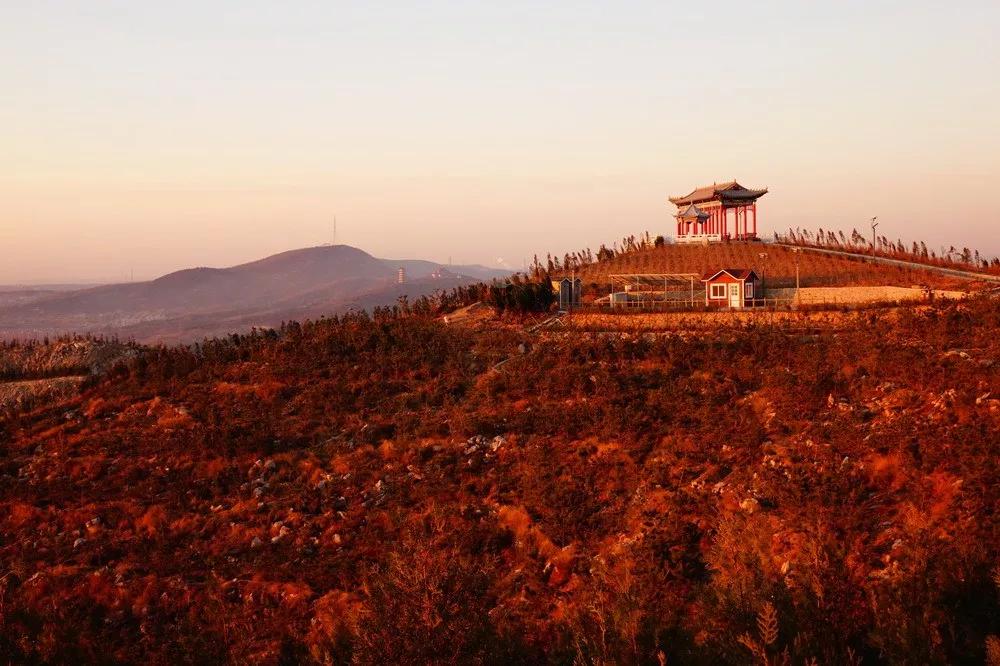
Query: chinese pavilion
704, 215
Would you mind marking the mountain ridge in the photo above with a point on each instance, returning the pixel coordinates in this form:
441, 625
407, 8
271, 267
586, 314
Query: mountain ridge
301, 282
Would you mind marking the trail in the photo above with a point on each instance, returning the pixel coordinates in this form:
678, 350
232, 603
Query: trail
953, 272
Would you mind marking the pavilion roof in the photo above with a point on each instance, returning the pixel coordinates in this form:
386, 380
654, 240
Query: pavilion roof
692, 211
731, 191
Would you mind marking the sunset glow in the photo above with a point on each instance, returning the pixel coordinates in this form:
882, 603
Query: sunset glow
142, 139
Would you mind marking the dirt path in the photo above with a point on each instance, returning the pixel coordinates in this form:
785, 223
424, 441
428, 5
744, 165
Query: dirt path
22, 392
953, 272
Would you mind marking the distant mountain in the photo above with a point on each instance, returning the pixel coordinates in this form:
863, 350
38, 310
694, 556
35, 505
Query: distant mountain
194, 302
417, 268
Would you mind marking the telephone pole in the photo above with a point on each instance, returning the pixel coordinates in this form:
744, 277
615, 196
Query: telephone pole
874, 224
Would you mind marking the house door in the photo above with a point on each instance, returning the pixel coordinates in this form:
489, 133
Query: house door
734, 296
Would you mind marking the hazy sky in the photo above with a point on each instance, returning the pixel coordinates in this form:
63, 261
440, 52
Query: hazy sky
146, 137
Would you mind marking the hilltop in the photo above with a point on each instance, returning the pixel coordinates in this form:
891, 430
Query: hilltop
778, 266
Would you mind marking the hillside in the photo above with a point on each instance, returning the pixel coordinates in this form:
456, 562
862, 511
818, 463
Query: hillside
188, 304
35, 372
778, 266
404, 491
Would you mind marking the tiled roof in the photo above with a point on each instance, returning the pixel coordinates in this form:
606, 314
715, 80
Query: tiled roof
693, 211
726, 191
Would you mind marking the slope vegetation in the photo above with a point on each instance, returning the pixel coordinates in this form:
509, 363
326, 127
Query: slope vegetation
398, 490
778, 266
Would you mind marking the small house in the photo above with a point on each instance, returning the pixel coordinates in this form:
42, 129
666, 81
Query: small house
568, 291
732, 288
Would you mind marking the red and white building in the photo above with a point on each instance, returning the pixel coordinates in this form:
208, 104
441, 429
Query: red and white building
732, 288
717, 212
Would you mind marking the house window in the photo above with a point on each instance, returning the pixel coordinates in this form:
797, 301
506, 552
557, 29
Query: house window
748, 289
717, 291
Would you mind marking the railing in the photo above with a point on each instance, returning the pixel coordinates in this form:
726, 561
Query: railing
699, 238
698, 305
757, 304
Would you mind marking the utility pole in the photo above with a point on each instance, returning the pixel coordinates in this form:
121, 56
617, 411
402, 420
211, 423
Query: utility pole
798, 297
572, 290
874, 224
763, 264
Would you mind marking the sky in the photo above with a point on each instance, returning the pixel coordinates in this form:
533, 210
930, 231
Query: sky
137, 138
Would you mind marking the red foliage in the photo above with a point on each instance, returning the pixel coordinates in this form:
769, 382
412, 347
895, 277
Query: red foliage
385, 490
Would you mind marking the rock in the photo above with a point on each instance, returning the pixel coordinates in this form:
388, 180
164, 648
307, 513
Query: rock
750, 505
79, 542
256, 543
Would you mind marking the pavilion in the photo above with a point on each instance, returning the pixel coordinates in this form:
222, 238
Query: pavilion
703, 215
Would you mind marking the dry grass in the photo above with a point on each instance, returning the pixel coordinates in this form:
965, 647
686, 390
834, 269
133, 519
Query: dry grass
779, 267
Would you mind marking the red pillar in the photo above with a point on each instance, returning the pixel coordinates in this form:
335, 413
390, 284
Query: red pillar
755, 218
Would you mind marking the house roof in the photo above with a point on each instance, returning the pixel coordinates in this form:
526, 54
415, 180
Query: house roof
693, 211
731, 191
741, 274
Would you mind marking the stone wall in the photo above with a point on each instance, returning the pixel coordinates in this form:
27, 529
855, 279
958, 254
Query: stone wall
853, 295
